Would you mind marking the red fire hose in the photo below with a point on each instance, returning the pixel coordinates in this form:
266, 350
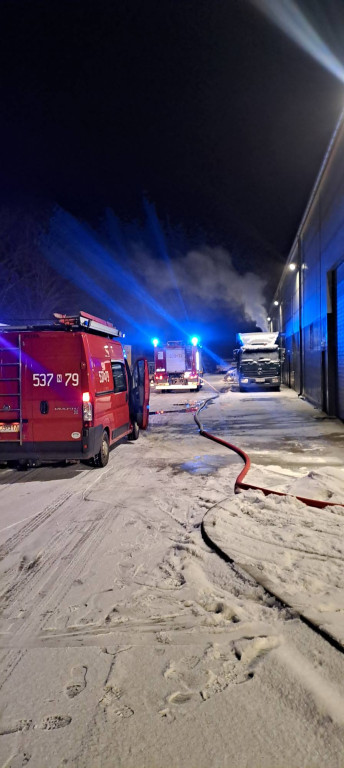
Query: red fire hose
239, 485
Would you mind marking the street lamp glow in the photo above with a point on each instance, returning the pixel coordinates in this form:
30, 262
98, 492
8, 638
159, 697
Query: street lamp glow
292, 266
155, 342
195, 341
276, 303
268, 319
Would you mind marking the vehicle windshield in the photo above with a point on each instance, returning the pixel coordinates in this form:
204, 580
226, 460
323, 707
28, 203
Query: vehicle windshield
260, 355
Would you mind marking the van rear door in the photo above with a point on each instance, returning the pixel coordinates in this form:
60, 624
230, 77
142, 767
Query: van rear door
54, 370
140, 393
15, 408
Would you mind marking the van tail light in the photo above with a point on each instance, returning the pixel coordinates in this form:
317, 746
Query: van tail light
87, 409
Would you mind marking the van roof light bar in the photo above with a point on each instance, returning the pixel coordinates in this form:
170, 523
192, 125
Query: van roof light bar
90, 322
82, 320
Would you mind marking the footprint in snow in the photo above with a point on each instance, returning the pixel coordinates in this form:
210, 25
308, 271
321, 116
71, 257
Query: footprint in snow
111, 694
51, 722
19, 760
179, 697
77, 682
15, 727
111, 705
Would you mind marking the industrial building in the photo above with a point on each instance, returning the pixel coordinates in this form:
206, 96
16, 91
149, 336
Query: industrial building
308, 306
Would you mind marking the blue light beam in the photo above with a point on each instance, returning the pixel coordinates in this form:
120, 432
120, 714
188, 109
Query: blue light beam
74, 242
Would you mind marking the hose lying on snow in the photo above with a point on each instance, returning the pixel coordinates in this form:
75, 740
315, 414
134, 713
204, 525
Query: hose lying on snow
239, 485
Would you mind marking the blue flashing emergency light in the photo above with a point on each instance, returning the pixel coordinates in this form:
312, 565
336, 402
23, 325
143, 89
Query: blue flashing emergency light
155, 342
195, 341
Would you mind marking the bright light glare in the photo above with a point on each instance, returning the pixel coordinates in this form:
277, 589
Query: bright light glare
155, 342
276, 303
288, 17
292, 267
195, 341
86, 397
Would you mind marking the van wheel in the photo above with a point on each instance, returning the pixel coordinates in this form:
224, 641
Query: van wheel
102, 458
22, 465
133, 435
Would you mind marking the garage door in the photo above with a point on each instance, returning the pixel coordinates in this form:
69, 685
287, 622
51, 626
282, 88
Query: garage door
340, 340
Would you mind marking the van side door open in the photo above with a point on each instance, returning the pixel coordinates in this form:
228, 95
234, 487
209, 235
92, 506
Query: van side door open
139, 395
120, 399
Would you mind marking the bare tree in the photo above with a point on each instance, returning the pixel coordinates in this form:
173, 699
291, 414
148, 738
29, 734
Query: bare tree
30, 288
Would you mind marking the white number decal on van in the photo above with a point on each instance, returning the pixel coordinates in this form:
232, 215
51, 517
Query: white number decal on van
73, 378
45, 379
42, 379
103, 376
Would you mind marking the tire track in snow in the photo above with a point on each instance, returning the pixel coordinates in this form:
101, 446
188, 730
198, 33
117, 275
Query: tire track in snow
20, 478
34, 523
40, 518
51, 582
29, 570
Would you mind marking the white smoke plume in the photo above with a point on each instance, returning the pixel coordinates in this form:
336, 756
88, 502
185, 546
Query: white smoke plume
146, 287
205, 277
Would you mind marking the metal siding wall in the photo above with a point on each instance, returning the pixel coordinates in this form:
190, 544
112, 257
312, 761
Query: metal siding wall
332, 249
311, 307
290, 327
340, 340
332, 208
296, 362
312, 363
322, 244
291, 367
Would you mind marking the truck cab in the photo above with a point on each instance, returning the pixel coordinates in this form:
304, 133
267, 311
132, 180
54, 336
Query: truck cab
258, 361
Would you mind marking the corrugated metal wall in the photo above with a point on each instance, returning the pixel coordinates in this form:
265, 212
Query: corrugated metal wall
310, 366
291, 326
340, 339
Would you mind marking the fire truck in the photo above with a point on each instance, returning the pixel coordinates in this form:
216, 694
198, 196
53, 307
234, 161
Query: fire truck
67, 391
177, 365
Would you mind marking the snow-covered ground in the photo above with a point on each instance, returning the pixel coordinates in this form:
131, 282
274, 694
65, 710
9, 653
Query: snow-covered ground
127, 641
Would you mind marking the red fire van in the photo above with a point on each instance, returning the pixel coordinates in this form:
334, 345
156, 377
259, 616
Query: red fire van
67, 392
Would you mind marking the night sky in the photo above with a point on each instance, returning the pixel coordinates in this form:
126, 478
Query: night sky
202, 110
